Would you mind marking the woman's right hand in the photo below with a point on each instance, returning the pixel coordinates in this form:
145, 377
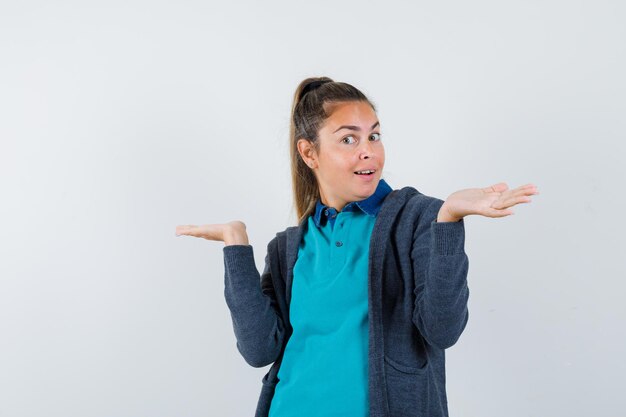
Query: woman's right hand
231, 233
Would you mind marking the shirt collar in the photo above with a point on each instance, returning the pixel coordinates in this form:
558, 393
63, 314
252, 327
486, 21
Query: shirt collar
370, 205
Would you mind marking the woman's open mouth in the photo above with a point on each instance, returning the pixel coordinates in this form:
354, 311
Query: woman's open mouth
366, 174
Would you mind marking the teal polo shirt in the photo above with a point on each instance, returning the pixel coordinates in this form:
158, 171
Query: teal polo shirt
324, 371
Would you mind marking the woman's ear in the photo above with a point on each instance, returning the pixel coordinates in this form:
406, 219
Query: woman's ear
307, 152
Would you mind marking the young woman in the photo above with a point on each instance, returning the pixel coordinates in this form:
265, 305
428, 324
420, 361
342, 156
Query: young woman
357, 303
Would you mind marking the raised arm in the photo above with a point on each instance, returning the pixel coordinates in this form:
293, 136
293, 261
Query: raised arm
251, 299
440, 267
440, 262
258, 326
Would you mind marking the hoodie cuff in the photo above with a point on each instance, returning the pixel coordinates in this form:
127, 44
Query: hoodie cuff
239, 257
448, 237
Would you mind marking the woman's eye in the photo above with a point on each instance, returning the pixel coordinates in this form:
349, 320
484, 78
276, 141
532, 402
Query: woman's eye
376, 137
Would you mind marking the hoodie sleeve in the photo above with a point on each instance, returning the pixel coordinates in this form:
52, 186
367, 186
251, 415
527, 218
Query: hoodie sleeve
251, 299
440, 267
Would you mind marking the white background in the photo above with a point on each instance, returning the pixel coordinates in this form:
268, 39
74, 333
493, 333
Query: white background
121, 119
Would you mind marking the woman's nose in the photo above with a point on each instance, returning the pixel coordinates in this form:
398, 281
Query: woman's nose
366, 150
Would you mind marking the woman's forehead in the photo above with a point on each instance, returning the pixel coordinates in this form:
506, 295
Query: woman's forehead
358, 115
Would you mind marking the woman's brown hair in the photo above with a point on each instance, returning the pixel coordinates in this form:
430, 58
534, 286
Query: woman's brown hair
313, 103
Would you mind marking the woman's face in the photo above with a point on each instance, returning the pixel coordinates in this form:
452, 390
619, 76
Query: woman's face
350, 141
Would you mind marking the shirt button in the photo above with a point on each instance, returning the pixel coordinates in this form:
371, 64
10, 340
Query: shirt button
338, 243
326, 212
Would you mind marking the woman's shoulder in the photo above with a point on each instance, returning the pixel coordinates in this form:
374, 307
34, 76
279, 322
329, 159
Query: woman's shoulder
282, 236
413, 199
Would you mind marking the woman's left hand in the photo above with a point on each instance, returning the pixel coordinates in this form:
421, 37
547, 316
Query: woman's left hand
493, 201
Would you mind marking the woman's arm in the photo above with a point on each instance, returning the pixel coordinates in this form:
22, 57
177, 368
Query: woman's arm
251, 299
252, 303
439, 260
440, 267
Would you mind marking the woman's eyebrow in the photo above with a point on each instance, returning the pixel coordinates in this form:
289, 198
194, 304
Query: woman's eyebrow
351, 127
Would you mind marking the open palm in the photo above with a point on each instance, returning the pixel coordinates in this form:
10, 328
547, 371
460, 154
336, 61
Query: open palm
492, 201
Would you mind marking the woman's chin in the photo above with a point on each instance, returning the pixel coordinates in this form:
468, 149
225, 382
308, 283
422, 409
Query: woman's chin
366, 188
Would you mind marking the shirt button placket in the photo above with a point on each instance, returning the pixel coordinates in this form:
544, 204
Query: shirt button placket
339, 237
338, 243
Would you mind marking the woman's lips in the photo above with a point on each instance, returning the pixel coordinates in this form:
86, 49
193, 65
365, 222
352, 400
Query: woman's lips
365, 169
366, 177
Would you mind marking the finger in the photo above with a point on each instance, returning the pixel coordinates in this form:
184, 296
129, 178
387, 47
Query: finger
528, 189
188, 229
497, 188
205, 231
505, 203
524, 190
517, 200
527, 192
